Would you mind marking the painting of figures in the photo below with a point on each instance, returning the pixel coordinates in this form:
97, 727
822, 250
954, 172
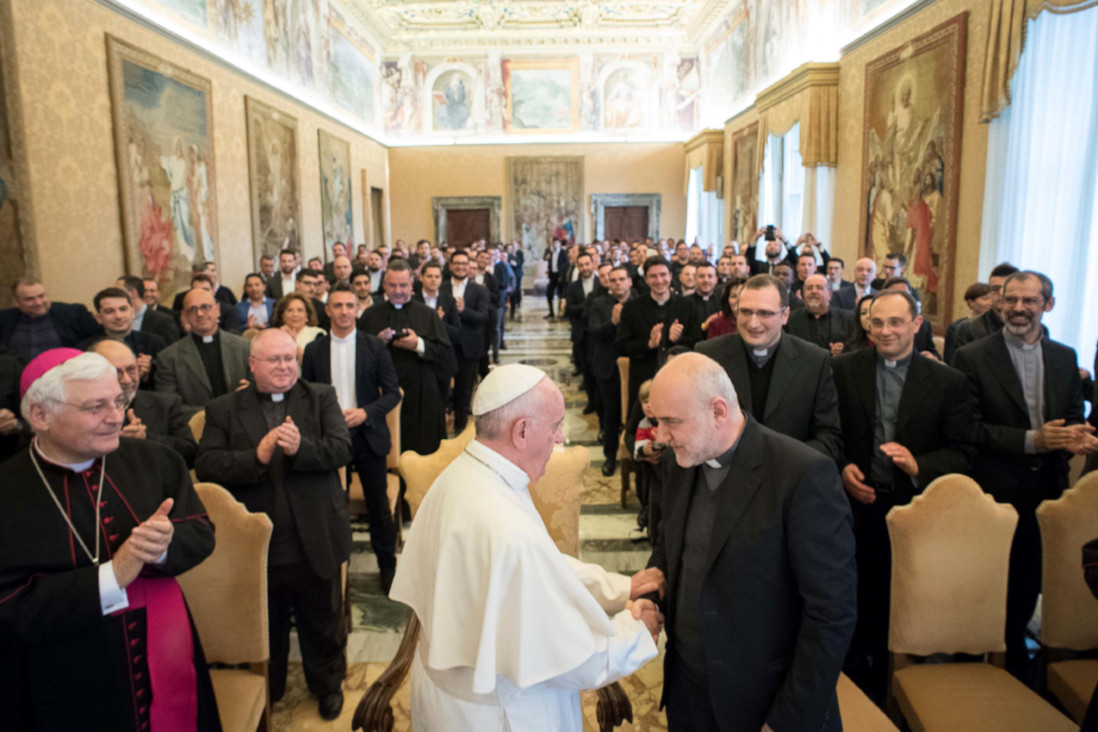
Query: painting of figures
626, 99
546, 194
686, 93
350, 71
745, 184
164, 144
273, 178
12, 264
192, 10
335, 189
542, 95
240, 24
451, 98
295, 39
726, 67
912, 151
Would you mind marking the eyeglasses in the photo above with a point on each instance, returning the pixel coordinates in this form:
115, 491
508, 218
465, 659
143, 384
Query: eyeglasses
746, 313
1029, 302
893, 323
100, 408
275, 360
195, 309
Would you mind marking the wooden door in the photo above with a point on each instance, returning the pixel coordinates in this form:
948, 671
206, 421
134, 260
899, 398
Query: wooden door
377, 216
629, 223
467, 225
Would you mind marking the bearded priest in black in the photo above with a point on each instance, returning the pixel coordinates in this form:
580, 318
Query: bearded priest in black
94, 528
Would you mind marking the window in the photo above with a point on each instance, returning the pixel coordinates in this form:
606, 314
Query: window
704, 212
794, 198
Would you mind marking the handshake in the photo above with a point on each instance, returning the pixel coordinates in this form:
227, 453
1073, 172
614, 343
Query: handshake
644, 583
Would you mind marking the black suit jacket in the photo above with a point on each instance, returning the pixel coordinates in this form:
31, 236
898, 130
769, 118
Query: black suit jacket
924, 339
72, 321
562, 261
222, 294
757, 267
637, 318
934, 417
846, 298
973, 329
450, 318
376, 387
226, 455
1002, 468
779, 591
473, 320
165, 422
601, 332
837, 326
160, 324
576, 300
802, 402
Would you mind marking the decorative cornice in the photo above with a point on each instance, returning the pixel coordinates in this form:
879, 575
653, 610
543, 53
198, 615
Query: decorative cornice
703, 138
805, 76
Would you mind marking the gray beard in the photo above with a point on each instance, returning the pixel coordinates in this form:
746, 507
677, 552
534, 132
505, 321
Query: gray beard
1018, 330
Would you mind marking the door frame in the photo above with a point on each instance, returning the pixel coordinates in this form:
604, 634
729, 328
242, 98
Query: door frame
440, 204
599, 202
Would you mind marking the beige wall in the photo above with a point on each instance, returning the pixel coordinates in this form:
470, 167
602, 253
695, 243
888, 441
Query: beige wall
417, 174
848, 205
60, 53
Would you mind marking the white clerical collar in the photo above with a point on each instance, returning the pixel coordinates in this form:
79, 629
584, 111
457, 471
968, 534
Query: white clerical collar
513, 475
208, 339
664, 300
74, 467
397, 305
274, 396
349, 338
714, 463
761, 352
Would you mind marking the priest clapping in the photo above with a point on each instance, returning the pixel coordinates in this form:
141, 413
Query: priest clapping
513, 629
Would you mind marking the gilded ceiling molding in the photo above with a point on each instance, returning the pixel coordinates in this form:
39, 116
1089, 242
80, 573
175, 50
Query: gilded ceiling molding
809, 95
705, 150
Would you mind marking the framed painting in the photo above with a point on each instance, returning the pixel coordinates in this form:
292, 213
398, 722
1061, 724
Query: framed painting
546, 195
542, 95
745, 184
273, 179
914, 102
164, 145
335, 190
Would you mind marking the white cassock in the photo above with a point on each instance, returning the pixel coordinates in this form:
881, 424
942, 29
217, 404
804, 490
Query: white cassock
512, 628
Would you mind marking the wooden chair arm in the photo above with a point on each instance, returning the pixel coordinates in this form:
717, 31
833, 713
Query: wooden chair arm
613, 707
374, 712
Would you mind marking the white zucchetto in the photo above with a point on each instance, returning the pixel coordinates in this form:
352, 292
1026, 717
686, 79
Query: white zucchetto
505, 384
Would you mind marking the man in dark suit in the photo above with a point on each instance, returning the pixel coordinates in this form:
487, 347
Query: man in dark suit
557, 258
894, 267
516, 259
359, 367
1029, 421
480, 272
575, 297
653, 323
277, 446
35, 324
505, 281
601, 316
705, 298
473, 305
989, 322
221, 293
924, 339
775, 251
835, 281
14, 432
205, 364
307, 283
339, 249
758, 555
255, 309
865, 269
428, 290
283, 281
818, 322
114, 311
906, 421
145, 318
151, 415
784, 382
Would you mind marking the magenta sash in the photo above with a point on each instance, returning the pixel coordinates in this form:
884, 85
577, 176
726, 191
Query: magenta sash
170, 653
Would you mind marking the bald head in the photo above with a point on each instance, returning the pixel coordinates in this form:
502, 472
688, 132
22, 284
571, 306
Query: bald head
697, 409
200, 312
124, 362
865, 269
273, 361
270, 338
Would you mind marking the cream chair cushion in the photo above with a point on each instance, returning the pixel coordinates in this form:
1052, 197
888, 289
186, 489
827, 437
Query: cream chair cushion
420, 471
557, 496
951, 697
857, 712
950, 555
1073, 683
1069, 612
197, 423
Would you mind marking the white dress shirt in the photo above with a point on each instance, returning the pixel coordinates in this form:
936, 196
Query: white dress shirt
259, 312
343, 353
459, 287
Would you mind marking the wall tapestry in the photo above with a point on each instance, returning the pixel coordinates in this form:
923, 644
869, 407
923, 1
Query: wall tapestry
164, 144
912, 151
542, 95
546, 195
273, 179
745, 184
335, 190
12, 262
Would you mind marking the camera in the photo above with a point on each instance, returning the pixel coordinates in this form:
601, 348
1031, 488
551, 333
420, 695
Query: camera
770, 232
398, 334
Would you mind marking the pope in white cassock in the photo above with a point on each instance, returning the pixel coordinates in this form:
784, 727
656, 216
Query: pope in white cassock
512, 628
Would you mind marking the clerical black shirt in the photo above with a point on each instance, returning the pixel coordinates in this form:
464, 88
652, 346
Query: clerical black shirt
210, 353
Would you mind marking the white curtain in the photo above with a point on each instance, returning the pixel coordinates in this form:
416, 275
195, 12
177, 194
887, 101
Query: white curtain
792, 196
819, 203
1041, 188
703, 212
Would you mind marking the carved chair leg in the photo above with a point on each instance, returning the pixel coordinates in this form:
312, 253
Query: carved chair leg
374, 712
613, 707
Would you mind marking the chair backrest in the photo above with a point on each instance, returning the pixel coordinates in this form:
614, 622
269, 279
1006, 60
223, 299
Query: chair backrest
420, 471
1069, 613
227, 593
197, 423
392, 419
939, 343
557, 496
950, 557
623, 371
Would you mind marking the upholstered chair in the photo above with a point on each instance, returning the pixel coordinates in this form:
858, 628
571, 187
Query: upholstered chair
197, 423
626, 464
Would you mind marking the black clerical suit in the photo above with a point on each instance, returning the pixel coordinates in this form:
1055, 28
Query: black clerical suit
165, 422
557, 283
575, 300
198, 371
924, 340
760, 571
450, 321
834, 326
973, 329
933, 419
308, 507
161, 324
65, 325
792, 393
603, 367
10, 371
64, 665
706, 306
637, 318
1006, 471
378, 392
469, 345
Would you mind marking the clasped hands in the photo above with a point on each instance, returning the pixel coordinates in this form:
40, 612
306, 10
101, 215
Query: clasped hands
145, 545
285, 435
656, 334
853, 476
644, 583
1078, 439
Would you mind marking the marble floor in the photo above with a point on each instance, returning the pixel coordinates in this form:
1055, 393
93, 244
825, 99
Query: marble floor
608, 536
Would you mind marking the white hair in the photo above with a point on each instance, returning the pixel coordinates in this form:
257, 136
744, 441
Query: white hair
51, 389
493, 425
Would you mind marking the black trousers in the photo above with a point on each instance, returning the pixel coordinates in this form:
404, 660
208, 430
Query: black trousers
317, 607
689, 708
1023, 586
552, 289
609, 398
371, 473
516, 296
464, 380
